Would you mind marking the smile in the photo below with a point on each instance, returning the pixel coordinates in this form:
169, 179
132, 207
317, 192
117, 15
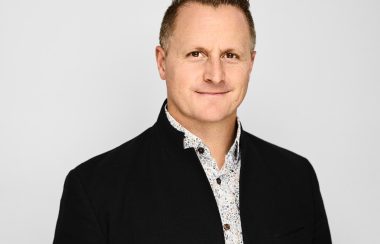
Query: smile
212, 93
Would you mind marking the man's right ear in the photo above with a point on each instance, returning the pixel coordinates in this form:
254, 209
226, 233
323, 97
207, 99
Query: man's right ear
160, 60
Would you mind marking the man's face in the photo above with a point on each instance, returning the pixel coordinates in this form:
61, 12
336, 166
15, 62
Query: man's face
207, 64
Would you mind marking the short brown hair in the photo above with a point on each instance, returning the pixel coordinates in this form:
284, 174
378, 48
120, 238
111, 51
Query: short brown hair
167, 25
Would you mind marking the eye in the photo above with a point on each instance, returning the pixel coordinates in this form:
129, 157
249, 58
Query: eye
231, 55
195, 54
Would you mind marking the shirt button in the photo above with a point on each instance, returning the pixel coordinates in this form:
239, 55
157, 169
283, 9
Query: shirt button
218, 180
201, 150
226, 227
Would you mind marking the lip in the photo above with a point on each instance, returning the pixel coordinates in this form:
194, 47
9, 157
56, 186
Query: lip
212, 93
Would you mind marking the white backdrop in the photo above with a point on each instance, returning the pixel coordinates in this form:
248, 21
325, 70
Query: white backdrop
78, 78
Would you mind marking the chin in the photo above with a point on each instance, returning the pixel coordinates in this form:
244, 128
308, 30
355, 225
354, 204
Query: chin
211, 115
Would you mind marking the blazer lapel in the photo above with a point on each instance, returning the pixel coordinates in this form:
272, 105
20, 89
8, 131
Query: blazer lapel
257, 190
188, 182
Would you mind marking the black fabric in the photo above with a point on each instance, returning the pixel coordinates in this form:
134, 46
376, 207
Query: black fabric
151, 190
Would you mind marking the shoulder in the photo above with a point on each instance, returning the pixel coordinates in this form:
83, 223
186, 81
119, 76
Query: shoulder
116, 163
281, 160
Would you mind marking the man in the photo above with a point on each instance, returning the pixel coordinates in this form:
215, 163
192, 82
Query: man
196, 176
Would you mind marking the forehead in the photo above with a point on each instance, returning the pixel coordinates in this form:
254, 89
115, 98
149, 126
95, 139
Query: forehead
199, 24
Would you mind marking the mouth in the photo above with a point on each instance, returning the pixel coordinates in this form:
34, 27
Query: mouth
212, 93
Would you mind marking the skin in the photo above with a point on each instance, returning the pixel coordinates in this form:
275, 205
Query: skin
206, 67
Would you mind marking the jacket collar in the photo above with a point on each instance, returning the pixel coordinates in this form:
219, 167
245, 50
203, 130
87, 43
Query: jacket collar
172, 138
253, 161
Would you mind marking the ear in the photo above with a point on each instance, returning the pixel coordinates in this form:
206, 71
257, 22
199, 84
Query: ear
160, 60
253, 55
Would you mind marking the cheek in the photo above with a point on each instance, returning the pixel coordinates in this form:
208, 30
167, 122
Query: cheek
185, 76
238, 77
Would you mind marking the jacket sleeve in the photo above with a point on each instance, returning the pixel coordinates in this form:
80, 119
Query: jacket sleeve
76, 222
321, 226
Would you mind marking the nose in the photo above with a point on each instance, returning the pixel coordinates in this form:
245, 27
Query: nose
214, 70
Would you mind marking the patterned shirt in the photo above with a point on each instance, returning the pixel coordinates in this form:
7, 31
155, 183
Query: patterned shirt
224, 182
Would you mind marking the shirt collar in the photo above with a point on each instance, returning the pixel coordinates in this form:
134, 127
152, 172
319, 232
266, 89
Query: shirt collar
191, 140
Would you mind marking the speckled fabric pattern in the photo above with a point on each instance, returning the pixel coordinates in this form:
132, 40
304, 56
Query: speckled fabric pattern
224, 182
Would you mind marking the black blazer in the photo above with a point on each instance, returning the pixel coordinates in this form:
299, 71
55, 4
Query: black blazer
152, 190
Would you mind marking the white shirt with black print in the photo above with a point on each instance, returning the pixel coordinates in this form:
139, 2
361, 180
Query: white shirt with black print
224, 182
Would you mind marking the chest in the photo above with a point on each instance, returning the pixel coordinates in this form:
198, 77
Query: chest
169, 199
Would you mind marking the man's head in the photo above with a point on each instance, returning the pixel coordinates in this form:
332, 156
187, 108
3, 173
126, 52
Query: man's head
206, 56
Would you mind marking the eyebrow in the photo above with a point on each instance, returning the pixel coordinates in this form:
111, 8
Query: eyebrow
232, 50
199, 49
228, 50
